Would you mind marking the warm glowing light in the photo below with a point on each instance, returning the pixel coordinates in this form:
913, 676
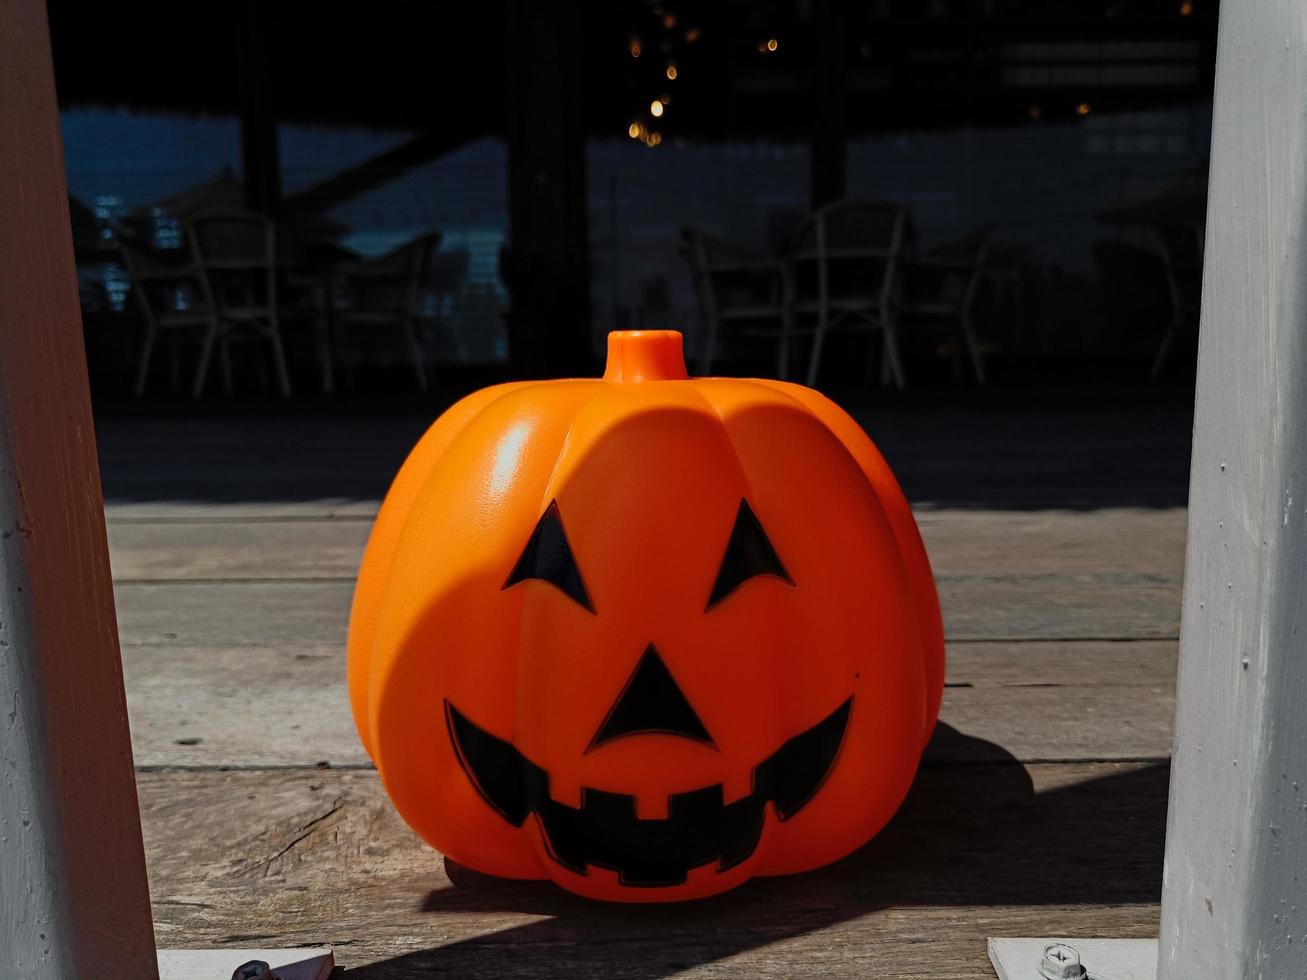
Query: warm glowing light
671, 73
669, 21
1082, 109
1035, 112
692, 35
655, 138
635, 130
1186, 8
772, 44
636, 47
655, 108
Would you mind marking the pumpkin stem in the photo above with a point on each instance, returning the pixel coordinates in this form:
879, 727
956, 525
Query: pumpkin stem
645, 355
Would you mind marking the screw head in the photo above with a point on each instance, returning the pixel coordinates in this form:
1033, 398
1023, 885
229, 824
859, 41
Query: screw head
253, 970
1062, 962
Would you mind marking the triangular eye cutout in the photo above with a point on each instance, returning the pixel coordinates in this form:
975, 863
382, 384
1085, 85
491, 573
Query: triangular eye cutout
748, 553
548, 556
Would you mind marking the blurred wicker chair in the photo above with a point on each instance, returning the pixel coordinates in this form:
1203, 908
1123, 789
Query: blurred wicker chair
736, 289
846, 261
939, 289
168, 289
236, 254
387, 292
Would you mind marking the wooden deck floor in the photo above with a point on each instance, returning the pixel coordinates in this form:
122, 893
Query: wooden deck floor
1058, 545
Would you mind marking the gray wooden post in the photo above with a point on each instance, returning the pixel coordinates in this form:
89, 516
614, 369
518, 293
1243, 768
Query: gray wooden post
1234, 901
73, 898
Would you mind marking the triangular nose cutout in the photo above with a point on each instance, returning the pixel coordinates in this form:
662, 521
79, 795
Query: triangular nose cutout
651, 703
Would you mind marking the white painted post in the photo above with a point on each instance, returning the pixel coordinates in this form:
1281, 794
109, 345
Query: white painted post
73, 897
1234, 901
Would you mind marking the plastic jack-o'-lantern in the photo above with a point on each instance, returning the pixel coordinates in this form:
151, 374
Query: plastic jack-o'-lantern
647, 636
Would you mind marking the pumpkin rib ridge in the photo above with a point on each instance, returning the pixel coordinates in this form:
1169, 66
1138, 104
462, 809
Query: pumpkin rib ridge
786, 391
931, 653
563, 448
808, 413
775, 388
764, 385
765, 846
524, 388
716, 413
537, 832
782, 388
402, 520
807, 410
557, 453
392, 523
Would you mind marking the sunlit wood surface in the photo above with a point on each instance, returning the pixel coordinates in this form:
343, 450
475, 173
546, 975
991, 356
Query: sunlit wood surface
1057, 539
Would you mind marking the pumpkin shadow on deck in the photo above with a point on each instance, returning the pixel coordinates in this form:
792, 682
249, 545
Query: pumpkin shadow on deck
972, 832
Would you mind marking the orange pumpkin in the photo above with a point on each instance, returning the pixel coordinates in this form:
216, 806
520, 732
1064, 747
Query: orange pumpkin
646, 636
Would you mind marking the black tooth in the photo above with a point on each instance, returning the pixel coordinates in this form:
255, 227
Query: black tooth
639, 873
600, 805
741, 830
700, 809
700, 805
791, 776
618, 840
566, 832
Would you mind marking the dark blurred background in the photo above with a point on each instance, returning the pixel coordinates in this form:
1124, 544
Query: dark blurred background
399, 201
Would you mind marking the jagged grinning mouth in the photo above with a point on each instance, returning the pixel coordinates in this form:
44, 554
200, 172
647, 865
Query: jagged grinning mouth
700, 827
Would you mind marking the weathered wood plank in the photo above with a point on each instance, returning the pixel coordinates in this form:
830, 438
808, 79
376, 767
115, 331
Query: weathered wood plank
265, 614
1009, 607
237, 549
1110, 540
286, 706
960, 542
1068, 701
285, 858
241, 706
1065, 606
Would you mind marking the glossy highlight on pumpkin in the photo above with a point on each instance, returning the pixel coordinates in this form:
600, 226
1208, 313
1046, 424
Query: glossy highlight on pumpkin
646, 635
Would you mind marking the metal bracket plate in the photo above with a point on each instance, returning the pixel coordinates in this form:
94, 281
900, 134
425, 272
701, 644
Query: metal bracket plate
1103, 959
315, 963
